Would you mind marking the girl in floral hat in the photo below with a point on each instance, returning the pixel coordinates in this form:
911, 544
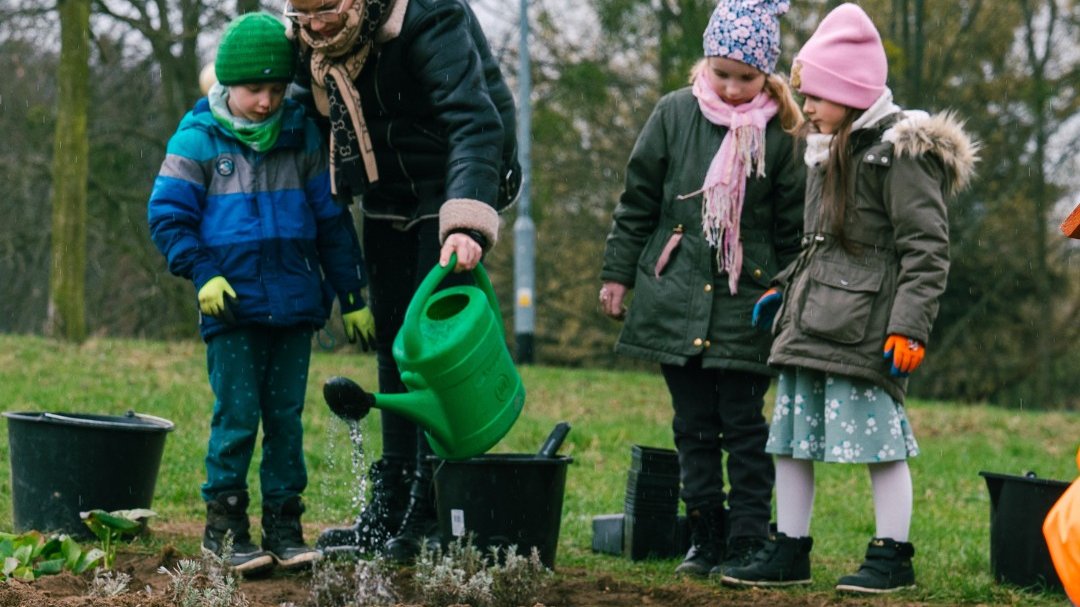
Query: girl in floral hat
712, 210
856, 307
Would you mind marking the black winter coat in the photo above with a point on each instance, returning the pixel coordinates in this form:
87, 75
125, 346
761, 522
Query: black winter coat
441, 117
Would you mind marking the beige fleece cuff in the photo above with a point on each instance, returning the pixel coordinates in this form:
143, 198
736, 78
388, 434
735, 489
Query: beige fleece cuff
468, 214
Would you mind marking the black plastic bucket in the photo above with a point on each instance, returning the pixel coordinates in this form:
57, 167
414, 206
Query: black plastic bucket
1018, 506
503, 500
65, 463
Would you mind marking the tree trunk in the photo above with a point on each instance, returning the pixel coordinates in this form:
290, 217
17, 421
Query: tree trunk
246, 6
66, 315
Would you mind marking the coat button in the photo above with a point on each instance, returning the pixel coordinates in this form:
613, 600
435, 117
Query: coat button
707, 343
757, 273
698, 342
708, 288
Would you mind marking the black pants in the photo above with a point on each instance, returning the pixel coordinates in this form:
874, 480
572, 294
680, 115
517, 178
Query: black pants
719, 410
397, 262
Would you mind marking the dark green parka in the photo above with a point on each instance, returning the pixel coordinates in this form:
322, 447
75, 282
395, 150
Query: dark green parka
688, 310
841, 303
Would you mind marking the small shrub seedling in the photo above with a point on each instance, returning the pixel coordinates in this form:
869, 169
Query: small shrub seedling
111, 527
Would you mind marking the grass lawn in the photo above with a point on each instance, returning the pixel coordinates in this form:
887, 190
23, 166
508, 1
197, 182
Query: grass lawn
609, 412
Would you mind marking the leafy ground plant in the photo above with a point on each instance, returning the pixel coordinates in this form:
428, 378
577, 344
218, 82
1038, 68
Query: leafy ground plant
205, 582
112, 527
462, 575
30, 555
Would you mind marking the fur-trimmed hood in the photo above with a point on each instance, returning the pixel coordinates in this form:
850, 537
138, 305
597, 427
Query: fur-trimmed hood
942, 135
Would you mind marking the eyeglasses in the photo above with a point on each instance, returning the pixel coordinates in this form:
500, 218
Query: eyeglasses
304, 18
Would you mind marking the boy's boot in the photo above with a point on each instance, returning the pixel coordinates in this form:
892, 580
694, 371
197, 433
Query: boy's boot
283, 537
390, 482
421, 525
887, 568
782, 561
226, 515
706, 541
740, 553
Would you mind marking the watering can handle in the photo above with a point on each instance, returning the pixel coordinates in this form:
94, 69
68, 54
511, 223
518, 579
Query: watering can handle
411, 324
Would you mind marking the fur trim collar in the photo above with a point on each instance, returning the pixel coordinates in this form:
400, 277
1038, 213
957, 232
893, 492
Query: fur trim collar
942, 135
391, 28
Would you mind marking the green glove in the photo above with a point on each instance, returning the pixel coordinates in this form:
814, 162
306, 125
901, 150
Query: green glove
216, 298
360, 325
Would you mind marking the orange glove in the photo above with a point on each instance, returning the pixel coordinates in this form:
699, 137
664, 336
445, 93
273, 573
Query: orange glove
906, 354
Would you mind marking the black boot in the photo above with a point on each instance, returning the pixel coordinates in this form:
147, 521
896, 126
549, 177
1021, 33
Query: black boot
390, 482
226, 516
740, 553
887, 568
283, 537
706, 541
782, 561
420, 526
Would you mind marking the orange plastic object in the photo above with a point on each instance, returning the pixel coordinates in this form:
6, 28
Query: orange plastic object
1071, 226
1061, 528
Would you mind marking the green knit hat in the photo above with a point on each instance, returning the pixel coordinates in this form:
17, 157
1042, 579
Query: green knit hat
254, 49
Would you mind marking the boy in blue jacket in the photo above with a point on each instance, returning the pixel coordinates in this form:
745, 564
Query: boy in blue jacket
242, 207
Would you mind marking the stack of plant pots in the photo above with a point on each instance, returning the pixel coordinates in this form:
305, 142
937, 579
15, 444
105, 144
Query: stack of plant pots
651, 508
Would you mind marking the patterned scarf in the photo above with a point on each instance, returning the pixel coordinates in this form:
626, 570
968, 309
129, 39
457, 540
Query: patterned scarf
336, 62
741, 155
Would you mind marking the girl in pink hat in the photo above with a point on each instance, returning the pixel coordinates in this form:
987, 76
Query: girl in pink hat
854, 311
711, 212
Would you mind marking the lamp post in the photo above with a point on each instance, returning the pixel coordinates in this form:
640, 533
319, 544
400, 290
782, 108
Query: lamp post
524, 228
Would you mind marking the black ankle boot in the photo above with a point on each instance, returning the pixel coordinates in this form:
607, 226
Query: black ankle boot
782, 561
887, 568
381, 518
283, 537
706, 540
420, 526
227, 522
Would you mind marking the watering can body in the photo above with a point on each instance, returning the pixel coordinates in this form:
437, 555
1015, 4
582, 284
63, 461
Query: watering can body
464, 390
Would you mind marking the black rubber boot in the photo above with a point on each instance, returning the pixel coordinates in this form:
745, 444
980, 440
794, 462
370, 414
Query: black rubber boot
283, 537
420, 525
381, 518
782, 561
226, 516
706, 541
887, 568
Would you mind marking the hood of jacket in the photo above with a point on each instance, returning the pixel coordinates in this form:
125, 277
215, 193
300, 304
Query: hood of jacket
941, 135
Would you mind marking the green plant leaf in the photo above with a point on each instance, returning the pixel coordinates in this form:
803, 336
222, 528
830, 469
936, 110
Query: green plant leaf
10, 565
88, 560
23, 573
23, 554
50, 567
111, 521
72, 551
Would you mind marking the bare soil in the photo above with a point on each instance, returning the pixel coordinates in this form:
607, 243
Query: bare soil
569, 588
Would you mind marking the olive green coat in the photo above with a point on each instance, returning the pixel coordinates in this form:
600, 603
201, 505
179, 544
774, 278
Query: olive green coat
688, 311
839, 305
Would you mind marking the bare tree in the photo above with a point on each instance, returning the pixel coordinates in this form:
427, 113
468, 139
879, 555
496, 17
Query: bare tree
67, 284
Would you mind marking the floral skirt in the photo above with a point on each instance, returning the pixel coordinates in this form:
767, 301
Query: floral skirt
834, 418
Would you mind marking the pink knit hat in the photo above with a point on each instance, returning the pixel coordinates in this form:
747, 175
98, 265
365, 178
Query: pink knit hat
844, 61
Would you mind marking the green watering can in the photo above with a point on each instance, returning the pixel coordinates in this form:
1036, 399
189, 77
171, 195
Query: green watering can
464, 390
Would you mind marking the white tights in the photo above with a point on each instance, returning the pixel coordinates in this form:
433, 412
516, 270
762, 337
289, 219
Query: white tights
891, 483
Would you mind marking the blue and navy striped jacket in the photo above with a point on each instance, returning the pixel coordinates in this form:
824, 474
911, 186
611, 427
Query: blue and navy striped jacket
265, 221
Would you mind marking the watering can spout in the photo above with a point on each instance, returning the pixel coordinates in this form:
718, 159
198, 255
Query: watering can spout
347, 399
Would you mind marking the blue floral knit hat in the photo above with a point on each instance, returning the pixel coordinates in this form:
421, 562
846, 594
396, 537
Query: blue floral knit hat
747, 31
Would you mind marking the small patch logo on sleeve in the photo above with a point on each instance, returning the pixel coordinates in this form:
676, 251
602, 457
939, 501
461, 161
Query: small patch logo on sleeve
225, 166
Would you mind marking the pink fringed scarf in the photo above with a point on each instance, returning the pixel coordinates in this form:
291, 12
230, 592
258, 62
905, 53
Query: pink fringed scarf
741, 154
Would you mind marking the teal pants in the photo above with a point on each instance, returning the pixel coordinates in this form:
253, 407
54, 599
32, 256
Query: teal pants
258, 373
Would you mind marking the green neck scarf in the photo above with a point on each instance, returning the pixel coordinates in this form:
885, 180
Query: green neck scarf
259, 136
